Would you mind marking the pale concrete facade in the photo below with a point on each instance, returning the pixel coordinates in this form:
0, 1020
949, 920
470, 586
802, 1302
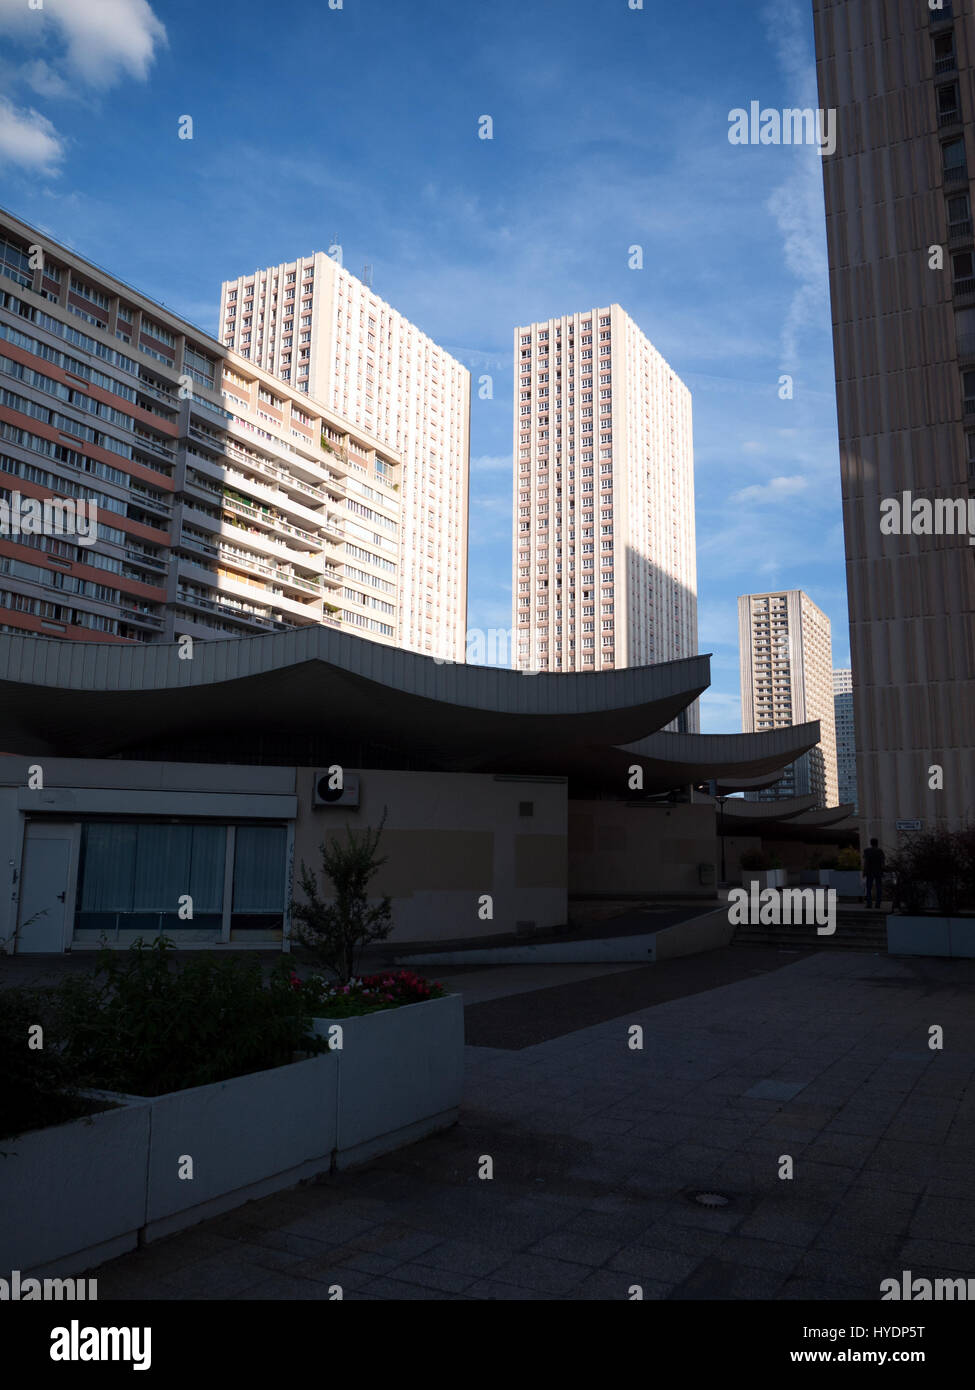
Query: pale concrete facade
899, 226
846, 748
313, 324
467, 854
785, 657
639, 849
604, 549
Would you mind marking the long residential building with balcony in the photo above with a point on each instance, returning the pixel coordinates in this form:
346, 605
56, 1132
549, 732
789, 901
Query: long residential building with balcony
785, 653
228, 503
328, 335
604, 555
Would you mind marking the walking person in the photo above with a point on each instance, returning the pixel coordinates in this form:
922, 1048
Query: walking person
874, 860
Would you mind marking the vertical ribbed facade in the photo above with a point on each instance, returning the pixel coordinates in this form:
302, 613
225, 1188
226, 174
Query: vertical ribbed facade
902, 282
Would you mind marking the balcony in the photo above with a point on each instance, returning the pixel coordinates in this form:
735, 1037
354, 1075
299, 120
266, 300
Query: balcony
136, 615
167, 397
234, 556
230, 610
950, 117
142, 441
146, 561
964, 286
150, 503
270, 519
946, 64
960, 231
202, 546
281, 475
956, 175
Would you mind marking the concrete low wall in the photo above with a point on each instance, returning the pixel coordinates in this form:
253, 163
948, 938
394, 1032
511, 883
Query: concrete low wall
705, 933
74, 1195
931, 936
401, 1076
246, 1137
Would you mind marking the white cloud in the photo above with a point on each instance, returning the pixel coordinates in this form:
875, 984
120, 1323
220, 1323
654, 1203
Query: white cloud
104, 40
29, 139
492, 463
41, 78
776, 490
797, 204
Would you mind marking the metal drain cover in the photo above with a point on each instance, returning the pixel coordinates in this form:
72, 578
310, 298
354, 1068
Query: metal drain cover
710, 1199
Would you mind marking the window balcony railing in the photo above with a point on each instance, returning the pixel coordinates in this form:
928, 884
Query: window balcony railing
150, 503
147, 561
966, 345
964, 285
970, 405
945, 64
960, 231
135, 615
949, 117
958, 174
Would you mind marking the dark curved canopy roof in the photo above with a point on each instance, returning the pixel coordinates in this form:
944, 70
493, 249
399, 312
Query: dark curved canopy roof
313, 695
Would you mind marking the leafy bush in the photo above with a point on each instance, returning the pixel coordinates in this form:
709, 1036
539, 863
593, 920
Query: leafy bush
334, 933
366, 995
38, 1085
144, 1025
936, 867
848, 859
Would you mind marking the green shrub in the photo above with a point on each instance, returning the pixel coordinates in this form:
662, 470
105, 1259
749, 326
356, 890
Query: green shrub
38, 1084
145, 1025
849, 859
333, 934
936, 865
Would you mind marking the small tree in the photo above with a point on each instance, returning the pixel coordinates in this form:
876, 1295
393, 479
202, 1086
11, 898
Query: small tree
334, 932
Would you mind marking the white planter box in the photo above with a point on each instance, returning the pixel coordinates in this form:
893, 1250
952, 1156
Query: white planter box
765, 878
919, 936
247, 1136
848, 883
961, 936
77, 1194
401, 1074
74, 1195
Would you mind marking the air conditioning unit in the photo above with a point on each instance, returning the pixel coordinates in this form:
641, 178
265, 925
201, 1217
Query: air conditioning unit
325, 795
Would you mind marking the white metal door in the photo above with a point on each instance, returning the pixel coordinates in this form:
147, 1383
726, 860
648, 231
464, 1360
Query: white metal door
46, 905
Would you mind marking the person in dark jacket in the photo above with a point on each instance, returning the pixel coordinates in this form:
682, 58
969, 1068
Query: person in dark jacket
874, 860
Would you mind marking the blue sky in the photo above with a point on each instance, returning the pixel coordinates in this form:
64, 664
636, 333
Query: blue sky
360, 123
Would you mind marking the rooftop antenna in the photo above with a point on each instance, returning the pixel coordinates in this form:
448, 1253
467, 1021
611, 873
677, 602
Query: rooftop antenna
367, 276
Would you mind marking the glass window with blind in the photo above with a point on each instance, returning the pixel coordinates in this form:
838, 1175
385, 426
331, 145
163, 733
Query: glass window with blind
260, 878
141, 875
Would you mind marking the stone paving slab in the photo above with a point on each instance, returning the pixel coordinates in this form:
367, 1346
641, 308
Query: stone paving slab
595, 1147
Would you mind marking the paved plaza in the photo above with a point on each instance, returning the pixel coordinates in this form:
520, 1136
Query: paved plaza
597, 1148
